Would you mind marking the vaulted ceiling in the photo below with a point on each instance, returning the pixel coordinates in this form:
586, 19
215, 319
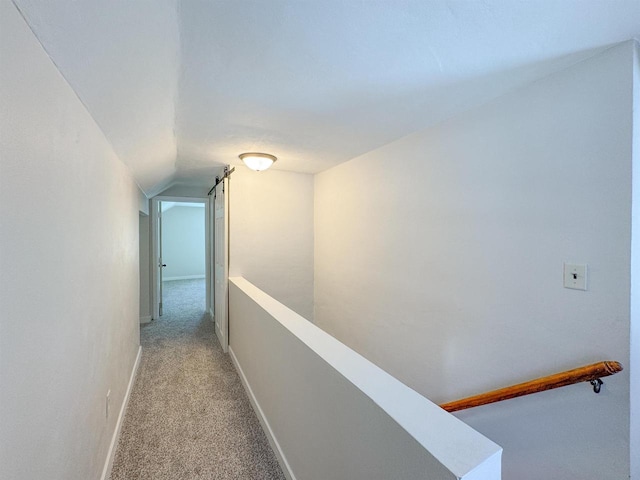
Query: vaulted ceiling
182, 87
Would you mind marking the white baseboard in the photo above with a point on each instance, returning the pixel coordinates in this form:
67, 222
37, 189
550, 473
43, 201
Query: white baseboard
210, 313
184, 277
275, 446
146, 319
108, 465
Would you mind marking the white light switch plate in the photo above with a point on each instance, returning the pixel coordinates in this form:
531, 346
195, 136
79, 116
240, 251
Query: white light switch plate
575, 276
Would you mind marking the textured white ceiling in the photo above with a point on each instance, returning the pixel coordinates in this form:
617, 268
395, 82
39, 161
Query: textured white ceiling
315, 83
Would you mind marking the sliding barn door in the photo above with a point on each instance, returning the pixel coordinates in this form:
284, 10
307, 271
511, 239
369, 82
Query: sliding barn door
221, 274
161, 263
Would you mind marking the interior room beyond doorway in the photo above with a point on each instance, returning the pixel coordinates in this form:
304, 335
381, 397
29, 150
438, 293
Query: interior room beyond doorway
183, 249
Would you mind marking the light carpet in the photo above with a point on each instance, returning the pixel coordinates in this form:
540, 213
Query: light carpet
188, 415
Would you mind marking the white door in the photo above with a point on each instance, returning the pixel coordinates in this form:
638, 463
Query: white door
221, 275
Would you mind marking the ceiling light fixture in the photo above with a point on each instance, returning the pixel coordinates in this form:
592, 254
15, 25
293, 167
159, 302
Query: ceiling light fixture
257, 161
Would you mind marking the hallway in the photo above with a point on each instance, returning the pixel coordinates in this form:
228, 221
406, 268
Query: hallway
189, 416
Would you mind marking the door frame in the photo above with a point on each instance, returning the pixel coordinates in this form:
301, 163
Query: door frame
154, 277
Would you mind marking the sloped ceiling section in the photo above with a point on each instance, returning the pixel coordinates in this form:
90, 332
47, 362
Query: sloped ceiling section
318, 83
315, 83
121, 58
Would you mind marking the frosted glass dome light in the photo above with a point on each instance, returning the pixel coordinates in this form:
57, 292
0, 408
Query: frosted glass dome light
257, 161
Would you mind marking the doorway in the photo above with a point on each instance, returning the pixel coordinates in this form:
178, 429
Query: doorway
181, 253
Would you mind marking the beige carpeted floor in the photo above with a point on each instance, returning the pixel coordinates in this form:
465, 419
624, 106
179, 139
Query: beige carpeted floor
188, 416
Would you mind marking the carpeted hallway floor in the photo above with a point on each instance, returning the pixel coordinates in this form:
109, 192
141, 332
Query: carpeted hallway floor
188, 416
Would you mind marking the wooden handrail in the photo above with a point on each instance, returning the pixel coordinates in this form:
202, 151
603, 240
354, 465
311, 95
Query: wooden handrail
588, 373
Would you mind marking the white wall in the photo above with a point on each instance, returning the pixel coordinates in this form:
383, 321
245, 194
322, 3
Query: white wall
181, 190
143, 202
357, 422
439, 257
69, 262
183, 242
271, 234
634, 363
145, 268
